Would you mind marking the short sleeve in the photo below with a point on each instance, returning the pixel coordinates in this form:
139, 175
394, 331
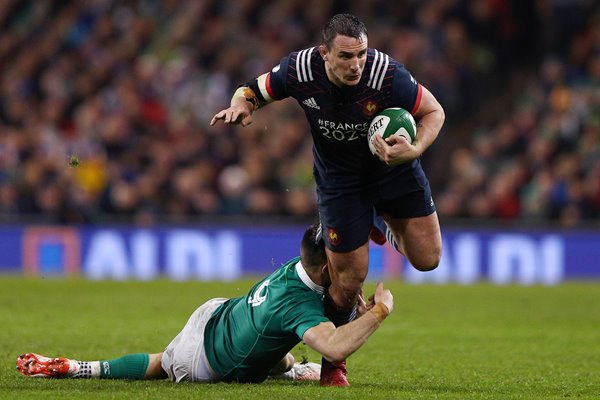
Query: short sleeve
303, 315
406, 90
277, 79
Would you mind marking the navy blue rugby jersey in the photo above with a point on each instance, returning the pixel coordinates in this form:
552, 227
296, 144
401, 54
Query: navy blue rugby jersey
339, 117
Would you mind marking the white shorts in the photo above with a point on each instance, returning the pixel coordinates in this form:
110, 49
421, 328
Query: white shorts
184, 358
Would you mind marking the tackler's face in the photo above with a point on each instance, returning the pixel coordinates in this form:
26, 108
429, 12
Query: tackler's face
345, 59
325, 277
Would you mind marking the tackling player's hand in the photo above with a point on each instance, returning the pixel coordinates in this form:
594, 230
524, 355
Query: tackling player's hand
238, 114
371, 301
384, 296
395, 150
362, 307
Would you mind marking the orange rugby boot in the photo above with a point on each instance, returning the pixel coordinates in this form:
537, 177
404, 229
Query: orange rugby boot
35, 365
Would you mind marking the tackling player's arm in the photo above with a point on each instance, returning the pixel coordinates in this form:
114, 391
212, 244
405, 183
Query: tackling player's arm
245, 100
430, 118
336, 344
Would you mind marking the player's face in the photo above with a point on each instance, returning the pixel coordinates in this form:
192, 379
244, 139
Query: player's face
325, 278
345, 60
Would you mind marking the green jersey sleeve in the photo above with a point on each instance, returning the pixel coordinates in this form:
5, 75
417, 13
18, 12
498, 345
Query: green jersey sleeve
303, 314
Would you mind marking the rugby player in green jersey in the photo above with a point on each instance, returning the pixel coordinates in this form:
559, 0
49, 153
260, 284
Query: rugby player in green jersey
245, 339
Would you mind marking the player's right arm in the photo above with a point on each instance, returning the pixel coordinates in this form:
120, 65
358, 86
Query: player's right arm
243, 103
252, 95
336, 344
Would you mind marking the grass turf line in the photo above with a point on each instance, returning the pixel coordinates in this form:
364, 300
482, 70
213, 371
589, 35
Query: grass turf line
447, 342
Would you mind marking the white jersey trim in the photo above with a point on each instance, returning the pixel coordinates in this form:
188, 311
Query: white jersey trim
306, 279
381, 61
262, 85
303, 69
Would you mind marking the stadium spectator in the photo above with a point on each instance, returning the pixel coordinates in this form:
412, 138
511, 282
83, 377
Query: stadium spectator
247, 338
129, 87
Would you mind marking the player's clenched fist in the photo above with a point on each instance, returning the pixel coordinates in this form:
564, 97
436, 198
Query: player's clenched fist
384, 296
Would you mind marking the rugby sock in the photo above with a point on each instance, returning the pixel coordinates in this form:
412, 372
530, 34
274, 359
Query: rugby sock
87, 369
336, 314
382, 226
131, 366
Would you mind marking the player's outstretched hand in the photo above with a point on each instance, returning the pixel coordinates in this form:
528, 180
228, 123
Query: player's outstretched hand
384, 296
236, 114
395, 150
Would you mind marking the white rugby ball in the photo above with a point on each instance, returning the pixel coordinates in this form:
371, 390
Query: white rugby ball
392, 121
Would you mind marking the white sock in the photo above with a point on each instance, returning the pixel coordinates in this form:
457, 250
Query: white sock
87, 369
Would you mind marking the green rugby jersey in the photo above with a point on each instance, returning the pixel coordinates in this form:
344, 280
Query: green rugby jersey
247, 336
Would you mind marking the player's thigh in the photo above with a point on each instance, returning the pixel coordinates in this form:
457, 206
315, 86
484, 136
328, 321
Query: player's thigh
407, 205
405, 193
349, 267
184, 359
348, 271
346, 219
421, 239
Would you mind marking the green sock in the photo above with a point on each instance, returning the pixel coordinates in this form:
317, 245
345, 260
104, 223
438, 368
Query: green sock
131, 366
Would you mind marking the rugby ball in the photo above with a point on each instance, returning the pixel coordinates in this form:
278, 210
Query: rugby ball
392, 121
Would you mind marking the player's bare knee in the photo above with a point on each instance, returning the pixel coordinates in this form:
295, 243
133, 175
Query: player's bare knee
427, 263
425, 267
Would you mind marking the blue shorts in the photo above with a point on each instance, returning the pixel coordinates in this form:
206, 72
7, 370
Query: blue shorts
347, 214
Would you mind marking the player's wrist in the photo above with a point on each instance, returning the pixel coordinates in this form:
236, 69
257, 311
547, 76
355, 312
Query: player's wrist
380, 311
252, 103
246, 97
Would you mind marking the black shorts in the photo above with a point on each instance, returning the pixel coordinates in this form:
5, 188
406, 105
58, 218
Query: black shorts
347, 214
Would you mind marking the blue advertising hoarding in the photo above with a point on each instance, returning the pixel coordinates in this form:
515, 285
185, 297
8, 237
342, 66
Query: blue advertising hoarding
226, 253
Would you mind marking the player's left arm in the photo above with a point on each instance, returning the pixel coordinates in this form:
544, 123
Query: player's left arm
336, 344
429, 116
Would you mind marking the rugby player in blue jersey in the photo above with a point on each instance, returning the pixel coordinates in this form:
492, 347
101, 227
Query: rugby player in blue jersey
245, 339
341, 85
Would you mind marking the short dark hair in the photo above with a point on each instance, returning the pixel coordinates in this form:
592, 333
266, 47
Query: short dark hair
312, 249
343, 24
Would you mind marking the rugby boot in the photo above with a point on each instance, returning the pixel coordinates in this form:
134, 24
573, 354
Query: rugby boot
334, 374
35, 365
308, 371
377, 236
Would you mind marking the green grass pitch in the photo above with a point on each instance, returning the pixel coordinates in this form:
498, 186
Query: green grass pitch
444, 342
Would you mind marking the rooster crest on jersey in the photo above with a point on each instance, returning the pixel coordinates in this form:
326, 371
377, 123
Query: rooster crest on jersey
392, 121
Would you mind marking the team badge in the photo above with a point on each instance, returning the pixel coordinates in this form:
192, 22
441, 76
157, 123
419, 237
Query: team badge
334, 236
370, 108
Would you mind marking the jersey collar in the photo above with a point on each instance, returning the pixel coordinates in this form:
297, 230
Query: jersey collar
307, 281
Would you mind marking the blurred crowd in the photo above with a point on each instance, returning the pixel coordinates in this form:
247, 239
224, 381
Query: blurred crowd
129, 87
538, 161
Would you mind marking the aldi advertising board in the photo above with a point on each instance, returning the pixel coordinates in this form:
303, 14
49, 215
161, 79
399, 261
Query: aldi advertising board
217, 253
